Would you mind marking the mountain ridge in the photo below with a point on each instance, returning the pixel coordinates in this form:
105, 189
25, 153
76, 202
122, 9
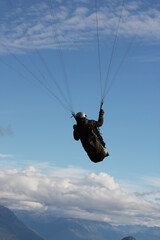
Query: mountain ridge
49, 225
17, 225
11, 228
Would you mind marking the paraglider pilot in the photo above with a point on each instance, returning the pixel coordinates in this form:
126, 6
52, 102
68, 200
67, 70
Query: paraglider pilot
88, 132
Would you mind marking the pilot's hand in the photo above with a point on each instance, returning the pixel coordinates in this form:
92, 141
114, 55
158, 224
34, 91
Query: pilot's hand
101, 112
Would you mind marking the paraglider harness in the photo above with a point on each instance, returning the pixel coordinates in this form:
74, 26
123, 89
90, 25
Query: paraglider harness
97, 134
97, 152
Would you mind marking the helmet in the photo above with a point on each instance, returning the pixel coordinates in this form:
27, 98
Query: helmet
81, 115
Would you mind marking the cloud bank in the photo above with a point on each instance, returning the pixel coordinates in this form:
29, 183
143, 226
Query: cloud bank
89, 196
73, 23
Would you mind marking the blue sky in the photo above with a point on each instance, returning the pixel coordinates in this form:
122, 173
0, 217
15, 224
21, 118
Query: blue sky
36, 130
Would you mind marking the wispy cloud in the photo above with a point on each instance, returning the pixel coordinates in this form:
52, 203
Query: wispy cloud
6, 131
91, 196
153, 181
2, 156
73, 24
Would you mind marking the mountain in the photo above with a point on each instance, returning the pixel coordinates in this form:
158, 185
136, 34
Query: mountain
51, 227
59, 228
129, 238
142, 232
11, 228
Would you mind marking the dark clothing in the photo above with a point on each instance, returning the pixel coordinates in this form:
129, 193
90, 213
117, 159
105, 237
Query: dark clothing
87, 131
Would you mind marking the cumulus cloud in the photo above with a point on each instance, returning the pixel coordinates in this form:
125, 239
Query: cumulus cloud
91, 196
73, 24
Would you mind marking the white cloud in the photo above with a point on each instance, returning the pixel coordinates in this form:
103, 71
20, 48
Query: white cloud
153, 181
70, 172
91, 196
5, 155
76, 24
